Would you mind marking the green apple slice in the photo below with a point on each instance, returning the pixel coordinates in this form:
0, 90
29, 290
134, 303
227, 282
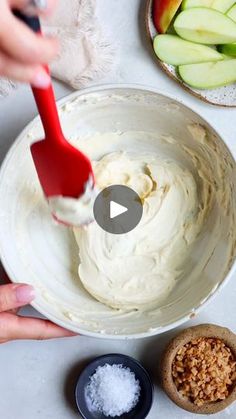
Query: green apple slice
221, 5
176, 51
205, 26
232, 13
209, 75
228, 49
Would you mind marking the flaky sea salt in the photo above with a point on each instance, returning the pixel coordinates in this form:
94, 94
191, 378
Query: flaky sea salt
112, 390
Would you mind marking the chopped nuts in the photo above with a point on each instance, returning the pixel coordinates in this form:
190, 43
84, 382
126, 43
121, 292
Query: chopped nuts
204, 370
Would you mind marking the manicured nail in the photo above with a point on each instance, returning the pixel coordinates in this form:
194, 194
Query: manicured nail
41, 80
24, 294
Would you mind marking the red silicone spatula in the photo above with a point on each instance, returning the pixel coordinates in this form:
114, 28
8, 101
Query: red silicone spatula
62, 169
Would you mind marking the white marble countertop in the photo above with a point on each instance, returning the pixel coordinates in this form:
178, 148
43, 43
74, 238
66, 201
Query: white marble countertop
37, 378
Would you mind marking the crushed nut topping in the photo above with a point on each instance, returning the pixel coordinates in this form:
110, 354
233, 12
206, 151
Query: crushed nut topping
204, 370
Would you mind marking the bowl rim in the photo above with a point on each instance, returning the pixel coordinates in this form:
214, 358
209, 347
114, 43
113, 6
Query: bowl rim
101, 88
206, 330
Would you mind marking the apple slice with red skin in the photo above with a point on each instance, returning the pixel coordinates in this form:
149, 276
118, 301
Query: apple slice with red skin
164, 12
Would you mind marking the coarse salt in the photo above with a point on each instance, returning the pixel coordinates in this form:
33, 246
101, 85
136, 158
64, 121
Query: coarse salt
112, 390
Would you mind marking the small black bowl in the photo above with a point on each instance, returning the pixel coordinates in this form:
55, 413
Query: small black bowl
140, 411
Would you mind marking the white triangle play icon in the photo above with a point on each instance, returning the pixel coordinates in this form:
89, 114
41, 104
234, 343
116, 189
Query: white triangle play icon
116, 209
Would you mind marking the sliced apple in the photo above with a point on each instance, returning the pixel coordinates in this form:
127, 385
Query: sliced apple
232, 13
205, 26
163, 13
228, 49
221, 5
209, 75
176, 51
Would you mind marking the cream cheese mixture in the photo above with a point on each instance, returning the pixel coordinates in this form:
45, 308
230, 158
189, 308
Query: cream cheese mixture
74, 212
137, 270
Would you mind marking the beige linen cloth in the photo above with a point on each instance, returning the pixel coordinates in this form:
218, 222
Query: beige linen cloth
85, 53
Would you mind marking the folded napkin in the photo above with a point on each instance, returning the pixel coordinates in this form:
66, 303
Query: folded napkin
85, 53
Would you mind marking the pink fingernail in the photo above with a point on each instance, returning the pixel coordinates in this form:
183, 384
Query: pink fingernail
41, 80
24, 294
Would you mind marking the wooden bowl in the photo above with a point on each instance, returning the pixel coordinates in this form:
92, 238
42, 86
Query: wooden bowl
207, 331
222, 96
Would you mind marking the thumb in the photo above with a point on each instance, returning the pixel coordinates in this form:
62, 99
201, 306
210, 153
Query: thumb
13, 296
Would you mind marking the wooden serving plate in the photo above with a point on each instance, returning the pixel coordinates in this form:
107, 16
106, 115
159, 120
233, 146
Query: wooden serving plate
222, 96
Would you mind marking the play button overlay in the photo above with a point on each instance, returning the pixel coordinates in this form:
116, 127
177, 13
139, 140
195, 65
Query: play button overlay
118, 209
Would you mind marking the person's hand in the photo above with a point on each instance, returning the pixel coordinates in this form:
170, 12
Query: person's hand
22, 52
14, 327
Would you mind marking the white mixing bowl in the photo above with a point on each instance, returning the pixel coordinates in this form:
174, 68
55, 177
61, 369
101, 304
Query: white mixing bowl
35, 250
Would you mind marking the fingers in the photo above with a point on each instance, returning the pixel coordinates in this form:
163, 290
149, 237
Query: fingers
33, 74
22, 52
14, 310
13, 327
13, 296
20, 43
27, 6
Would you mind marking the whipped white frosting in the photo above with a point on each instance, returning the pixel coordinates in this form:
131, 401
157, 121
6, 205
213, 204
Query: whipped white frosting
139, 269
74, 212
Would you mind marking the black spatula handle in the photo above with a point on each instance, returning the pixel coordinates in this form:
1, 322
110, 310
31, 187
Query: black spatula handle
31, 21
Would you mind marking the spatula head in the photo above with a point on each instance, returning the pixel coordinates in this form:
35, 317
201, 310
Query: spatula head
62, 169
